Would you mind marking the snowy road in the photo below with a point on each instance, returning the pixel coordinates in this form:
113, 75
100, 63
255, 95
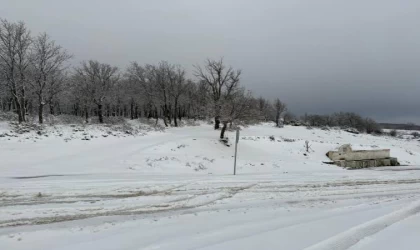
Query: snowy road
175, 190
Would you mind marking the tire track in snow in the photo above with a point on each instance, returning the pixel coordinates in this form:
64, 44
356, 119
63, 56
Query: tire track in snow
216, 237
196, 197
351, 237
192, 200
178, 204
88, 198
353, 183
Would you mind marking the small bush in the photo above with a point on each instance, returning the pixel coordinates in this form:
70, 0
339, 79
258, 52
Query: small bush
8, 116
378, 132
393, 133
415, 134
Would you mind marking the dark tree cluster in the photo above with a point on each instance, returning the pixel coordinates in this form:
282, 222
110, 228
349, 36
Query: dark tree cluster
344, 120
37, 79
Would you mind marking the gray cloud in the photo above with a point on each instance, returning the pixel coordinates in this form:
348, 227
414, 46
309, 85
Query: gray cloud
319, 56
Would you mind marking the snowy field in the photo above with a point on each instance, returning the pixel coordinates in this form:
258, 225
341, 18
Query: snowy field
175, 190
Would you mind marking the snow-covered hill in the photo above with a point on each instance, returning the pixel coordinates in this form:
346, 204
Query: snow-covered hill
97, 188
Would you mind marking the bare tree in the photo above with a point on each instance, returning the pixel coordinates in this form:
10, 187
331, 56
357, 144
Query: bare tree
47, 63
178, 86
137, 79
15, 42
222, 80
238, 106
157, 77
371, 126
81, 97
279, 108
266, 109
152, 87
97, 80
58, 83
289, 116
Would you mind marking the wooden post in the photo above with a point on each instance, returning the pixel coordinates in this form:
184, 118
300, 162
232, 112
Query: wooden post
236, 150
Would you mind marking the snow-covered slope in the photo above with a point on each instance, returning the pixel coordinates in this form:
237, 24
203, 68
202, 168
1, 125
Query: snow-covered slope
175, 190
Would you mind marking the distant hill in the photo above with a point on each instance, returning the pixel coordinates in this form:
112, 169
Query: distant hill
400, 126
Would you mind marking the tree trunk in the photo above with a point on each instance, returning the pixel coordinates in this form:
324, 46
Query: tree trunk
169, 115
23, 106
86, 114
164, 115
132, 110
59, 109
176, 113
136, 111
216, 122
217, 116
100, 114
40, 113
175, 121
10, 104
222, 132
19, 110
51, 108
164, 121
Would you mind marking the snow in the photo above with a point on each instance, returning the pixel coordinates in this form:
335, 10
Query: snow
174, 189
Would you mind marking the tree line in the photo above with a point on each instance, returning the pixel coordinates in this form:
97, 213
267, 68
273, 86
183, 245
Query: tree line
36, 78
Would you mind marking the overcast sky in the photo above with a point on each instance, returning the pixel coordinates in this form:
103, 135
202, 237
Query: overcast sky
319, 56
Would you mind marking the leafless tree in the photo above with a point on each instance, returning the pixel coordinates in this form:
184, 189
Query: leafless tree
371, 126
289, 116
15, 43
97, 80
266, 109
48, 65
222, 80
153, 95
80, 95
279, 108
238, 106
177, 87
162, 86
158, 84
59, 82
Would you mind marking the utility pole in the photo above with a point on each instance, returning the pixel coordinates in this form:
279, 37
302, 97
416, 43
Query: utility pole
236, 150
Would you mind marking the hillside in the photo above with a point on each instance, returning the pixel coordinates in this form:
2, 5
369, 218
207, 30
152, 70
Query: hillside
90, 187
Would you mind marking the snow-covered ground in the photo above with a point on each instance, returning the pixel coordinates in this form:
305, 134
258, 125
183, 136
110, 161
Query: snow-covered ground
175, 190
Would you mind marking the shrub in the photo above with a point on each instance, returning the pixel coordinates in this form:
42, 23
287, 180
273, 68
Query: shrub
415, 134
378, 131
8, 116
393, 133
371, 126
